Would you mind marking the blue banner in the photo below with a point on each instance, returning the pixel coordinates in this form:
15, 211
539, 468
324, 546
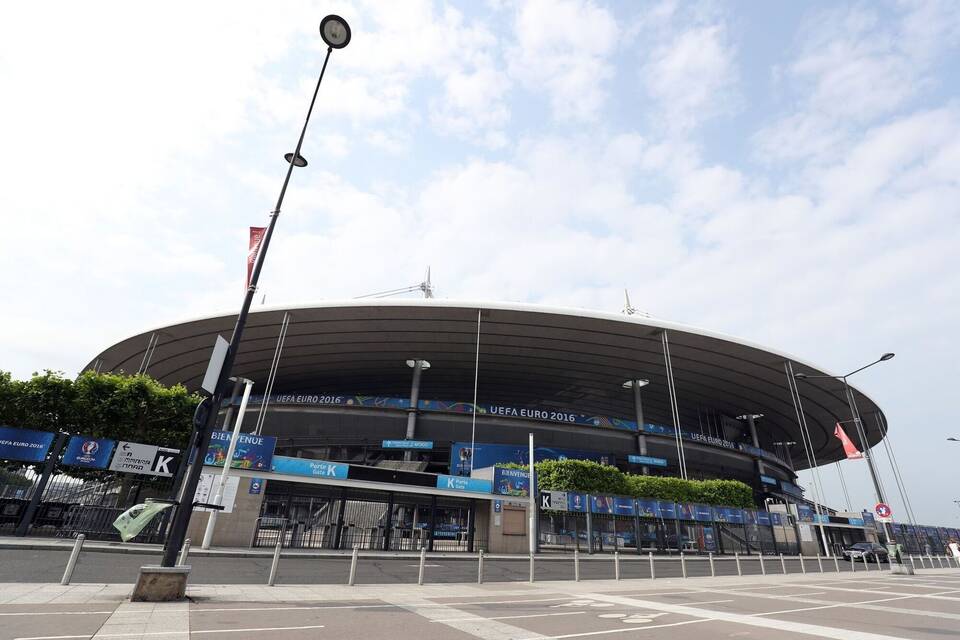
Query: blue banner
623, 506
648, 508
601, 504
487, 455
460, 483
804, 513
763, 518
768, 480
256, 486
93, 453
703, 513
251, 452
309, 468
685, 511
577, 502
24, 444
407, 444
709, 540
668, 510
511, 482
776, 519
647, 460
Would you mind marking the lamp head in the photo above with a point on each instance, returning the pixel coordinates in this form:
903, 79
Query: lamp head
639, 383
335, 31
886, 357
800, 375
952, 439
299, 161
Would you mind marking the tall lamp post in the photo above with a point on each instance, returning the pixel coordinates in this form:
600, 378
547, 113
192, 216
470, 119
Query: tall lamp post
336, 34
861, 434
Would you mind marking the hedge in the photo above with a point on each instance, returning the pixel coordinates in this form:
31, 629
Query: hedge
591, 477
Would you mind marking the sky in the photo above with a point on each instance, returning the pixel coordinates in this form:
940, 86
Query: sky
784, 172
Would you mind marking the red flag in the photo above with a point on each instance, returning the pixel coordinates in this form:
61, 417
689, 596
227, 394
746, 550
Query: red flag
848, 447
256, 237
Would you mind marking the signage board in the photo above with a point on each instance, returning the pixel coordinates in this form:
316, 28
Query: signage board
553, 500
24, 444
649, 461
768, 480
93, 453
309, 468
488, 455
206, 491
145, 459
256, 486
497, 506
763, 517
576, 502
703, 512
601, 504
252, 451
511, 482
648, 508
624, 506
214, 366
407, 444
884, 512
668, 510
461, 483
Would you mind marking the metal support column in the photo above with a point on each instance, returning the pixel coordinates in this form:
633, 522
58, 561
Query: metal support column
388, 525
432, 521
419, 366
338, 534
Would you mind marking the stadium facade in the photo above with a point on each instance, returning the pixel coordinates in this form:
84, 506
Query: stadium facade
399, 390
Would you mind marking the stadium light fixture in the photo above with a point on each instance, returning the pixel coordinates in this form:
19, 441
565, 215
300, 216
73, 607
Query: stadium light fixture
336, 34
952, 439
424, 365
640, 383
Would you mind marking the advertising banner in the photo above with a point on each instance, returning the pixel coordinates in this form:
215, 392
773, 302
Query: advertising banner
649, 461
709, 540
685, 511
407, 444
252, 451
776, 519
668, 510
601, 504
768, 480
460, 483
763, 518
93, 453
145, 459
511, 482
703, 513
804, 513
24, 444
648, 508
623, 506
487, 455
309, 468
577, 502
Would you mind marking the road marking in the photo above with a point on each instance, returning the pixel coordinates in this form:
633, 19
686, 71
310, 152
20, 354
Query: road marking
173, 633
750, 620
474, 625
625, 629
375, 606
533, 615
941, 595
58, 613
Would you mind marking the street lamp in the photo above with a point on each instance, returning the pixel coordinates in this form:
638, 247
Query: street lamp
336, 34
861, 434
952, 439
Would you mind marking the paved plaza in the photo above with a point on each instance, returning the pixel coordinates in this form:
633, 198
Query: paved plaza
844, 606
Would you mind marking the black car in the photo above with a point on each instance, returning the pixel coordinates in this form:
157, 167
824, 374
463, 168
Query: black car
867, 552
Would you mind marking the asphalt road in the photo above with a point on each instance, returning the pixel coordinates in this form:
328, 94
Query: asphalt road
47, 565
877, 606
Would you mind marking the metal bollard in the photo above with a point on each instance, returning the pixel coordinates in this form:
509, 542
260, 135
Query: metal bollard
532, 574
803, 567
912, 563
616, 565
576, 565
713, 573
783, 565
836, 564
683, 564
853, 564
423, 561
866, 563
820, 563
353, 564
876, 557
72, 562
184, 550
930, 557
653, 571
736, 556
276, 563
763, 570
480, 567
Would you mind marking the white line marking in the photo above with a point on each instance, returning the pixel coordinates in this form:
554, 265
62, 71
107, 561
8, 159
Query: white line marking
376, 606
466, 622
625, 629
174, 633
941, 595
534, 615
58, 613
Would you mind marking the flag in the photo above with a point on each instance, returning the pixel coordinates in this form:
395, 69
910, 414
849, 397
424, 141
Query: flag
848, 447
256, 237
133, 520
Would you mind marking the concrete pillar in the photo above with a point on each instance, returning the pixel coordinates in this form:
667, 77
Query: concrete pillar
751, 423
636, 385
418, 366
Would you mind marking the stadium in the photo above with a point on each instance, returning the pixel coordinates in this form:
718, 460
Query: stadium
402, 389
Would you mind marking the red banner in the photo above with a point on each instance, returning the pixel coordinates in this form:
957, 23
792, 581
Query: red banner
848, 447
256, 237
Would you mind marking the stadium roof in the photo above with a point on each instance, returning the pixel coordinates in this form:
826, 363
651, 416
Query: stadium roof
530, 355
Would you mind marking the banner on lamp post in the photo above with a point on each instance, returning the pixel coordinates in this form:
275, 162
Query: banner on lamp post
256, 238
848, 447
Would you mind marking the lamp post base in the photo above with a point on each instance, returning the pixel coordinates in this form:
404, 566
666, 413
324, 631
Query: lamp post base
161, 584
901, 570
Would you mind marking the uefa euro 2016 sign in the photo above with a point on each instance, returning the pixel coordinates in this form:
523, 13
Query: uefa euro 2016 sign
24, 445
83, 451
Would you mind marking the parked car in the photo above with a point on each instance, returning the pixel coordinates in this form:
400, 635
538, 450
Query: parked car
866, 551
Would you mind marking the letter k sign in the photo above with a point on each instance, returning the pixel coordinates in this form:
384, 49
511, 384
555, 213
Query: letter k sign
545, 501
162, 464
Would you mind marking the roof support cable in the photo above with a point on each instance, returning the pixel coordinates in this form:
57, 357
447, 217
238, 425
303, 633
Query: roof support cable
808, 449
901, 485
843, 483
272, 376
476, 373
862, 433
148, 354
674, 410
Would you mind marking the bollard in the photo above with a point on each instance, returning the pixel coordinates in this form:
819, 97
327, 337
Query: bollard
532, 576
912, 563
683, 564
713, 573
276, 563
353, 564
423, 561
783, 565
836, 564
940, 562
820, 563
803, 567
736, 556
576, 565
853, 564
930, 557
480, 567
616, 565
72, 562
876, 557
923, 563
184, 550
763, 570
866, 563
653, 572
